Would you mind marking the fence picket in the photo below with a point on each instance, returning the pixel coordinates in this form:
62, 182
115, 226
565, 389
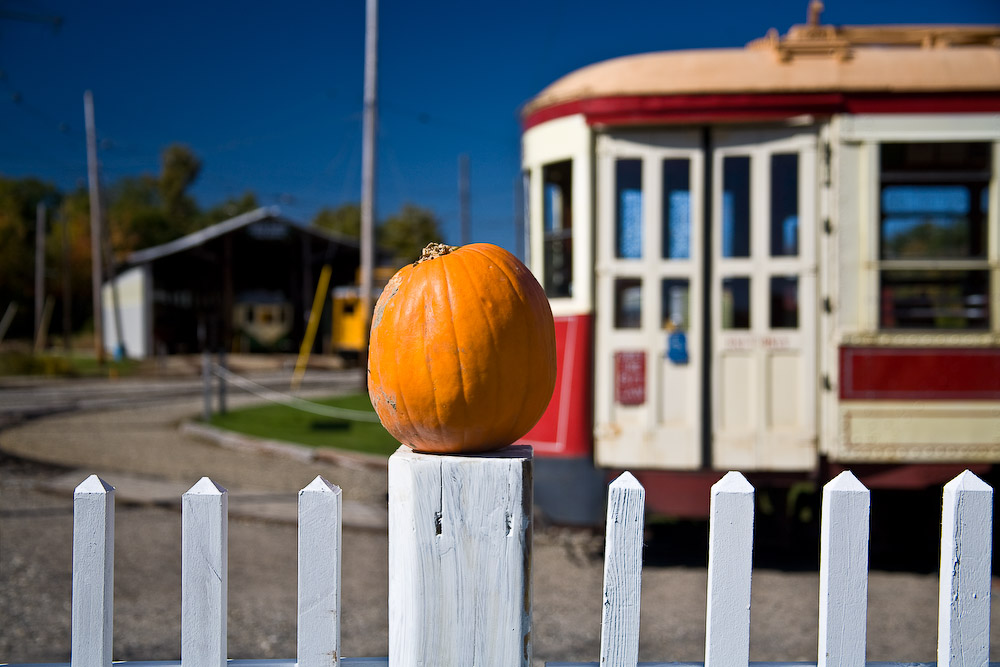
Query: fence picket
93, 573
964, 598
319, 560
622, 573
204, 574
843, 573
730, 567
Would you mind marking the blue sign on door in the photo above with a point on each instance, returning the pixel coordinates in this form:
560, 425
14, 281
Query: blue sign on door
677, 347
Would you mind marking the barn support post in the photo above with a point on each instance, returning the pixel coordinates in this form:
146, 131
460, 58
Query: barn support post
221, 378
460, 558
206, 385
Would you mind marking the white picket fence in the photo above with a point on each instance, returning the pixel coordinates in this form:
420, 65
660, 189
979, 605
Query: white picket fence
964, 608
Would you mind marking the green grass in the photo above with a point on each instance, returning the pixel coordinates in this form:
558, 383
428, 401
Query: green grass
281, 422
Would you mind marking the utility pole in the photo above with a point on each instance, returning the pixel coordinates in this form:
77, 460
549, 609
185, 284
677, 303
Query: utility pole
368, 168
463, 196
95, 225
39, 267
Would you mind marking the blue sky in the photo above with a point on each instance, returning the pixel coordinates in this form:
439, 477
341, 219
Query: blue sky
269, 94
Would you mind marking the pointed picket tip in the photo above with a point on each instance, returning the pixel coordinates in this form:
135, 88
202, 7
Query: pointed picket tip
321, 485
626, 480
846, 481
733, 482
205, 487
967, 481
94, 484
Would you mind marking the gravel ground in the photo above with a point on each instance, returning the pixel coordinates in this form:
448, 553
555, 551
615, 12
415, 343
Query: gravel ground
36, 550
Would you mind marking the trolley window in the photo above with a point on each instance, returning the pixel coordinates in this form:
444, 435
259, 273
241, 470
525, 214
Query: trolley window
628, 216
785, 205
676, 209
628, 303
736, 206
934, 212
557, 191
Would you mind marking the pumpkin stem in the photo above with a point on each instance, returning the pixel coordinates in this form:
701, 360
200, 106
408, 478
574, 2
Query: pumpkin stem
435, 250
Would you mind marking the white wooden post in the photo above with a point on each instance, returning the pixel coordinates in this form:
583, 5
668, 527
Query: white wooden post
93, 573
204, 574
843, 573
730, 566
964, 598
622, 573
460, 559
318, 630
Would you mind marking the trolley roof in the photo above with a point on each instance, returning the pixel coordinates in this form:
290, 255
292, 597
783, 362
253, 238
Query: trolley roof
810, 60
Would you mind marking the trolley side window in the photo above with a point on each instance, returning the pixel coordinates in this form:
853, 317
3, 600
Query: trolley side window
557, 190
933, 266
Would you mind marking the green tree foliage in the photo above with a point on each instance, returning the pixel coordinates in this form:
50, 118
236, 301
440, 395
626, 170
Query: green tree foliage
231, 208
19, 199
344, 220
179, 169
136, 215
402, 235
405, 233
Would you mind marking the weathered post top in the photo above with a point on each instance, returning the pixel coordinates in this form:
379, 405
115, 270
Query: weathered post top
460, 558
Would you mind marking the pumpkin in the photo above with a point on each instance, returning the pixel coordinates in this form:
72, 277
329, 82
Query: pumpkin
462, 354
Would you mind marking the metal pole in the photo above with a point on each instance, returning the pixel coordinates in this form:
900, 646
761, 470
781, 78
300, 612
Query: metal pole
206, 386
39, 267
463, 196
368, 167
95, 225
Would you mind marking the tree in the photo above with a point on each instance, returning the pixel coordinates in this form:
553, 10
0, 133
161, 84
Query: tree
18, 201
344, 220
406, 233
231, 208
403, 234
179, 169
136, 215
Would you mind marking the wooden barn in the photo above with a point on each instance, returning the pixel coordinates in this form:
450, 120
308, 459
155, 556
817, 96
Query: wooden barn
245, 284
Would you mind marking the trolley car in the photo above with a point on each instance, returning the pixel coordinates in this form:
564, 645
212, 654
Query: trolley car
782, 259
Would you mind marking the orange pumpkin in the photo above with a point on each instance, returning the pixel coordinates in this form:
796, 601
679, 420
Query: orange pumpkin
462, 354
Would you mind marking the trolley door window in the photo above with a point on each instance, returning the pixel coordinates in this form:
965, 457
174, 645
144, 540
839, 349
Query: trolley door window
676, 209
736, 206
628, 214
784, 204
784, 302
628, 303
934, 212
557, 191
736, 303
675, 305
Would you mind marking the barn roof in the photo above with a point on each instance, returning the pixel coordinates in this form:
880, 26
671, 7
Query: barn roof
202, 236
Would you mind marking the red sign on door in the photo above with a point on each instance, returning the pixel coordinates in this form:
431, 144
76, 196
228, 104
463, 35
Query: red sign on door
630, 378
